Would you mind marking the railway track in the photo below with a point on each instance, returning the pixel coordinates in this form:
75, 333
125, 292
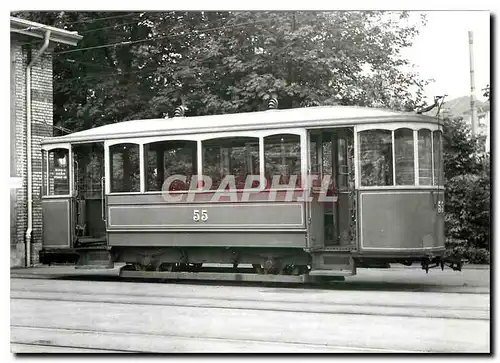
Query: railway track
65, 340
263, 304
113, 315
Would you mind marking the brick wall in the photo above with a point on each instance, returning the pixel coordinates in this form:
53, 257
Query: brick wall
41, 118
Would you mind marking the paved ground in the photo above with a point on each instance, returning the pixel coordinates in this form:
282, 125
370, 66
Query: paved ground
396, 310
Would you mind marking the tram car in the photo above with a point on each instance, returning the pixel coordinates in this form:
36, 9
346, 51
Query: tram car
316, 191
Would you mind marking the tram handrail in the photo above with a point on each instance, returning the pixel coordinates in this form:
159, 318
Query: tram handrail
103, 204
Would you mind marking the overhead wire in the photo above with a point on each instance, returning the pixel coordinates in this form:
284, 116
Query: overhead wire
110, 74
87, 63
80, 22
104, 18
129, 42
109, 27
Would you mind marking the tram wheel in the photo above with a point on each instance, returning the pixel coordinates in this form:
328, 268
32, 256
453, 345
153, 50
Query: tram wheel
258, 268
165, 267
299, 270
195, 267
139, 267
287, 270
272, 266
129, 267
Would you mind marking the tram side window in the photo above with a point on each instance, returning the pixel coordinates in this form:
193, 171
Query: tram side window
282, 157
438, 157
236, 156
424, 157
165, 159
375, 157
404, 156
124, 168
56, 172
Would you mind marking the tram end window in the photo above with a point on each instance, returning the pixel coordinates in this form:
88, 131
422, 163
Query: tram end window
55, 175
404, 156
375, 158
437, 139
424, 157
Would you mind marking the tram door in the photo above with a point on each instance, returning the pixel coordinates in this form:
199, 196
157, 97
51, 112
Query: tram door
57, 197
90, 227
331, 155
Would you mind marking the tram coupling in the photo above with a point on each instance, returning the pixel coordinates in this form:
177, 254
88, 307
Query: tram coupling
452, 262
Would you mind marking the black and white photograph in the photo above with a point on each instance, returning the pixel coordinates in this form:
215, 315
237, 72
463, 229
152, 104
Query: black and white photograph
250, 181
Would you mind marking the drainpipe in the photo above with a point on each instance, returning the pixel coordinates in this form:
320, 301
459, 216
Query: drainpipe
29, 230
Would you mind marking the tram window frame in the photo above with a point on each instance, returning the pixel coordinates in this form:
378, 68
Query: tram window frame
402, 159
298, 163
429, 149
389, 174
437, 158
50, 160
215, 149
169, 146
135, 184
45, 175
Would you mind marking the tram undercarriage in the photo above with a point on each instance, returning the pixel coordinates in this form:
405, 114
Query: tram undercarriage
235, 264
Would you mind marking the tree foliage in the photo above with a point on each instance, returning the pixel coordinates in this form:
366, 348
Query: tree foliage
486, 92
468, 196
225, 62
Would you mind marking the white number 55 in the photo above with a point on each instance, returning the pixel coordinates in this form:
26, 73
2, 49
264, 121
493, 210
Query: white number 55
197, 217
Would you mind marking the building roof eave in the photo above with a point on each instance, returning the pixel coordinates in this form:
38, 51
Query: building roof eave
37, 30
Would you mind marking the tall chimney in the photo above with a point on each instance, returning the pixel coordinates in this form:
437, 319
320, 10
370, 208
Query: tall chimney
472, 86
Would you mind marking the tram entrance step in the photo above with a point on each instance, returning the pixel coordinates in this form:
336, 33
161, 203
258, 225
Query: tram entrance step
94, 258
330, 273
338, 263
94, 267
85, 241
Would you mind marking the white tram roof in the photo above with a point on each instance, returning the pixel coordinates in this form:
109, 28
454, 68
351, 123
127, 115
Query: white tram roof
308, 117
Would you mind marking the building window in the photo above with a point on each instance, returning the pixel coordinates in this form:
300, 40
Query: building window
124, 168
424, 157
237, 157
282, 159
164, 159
375, 157
404, 157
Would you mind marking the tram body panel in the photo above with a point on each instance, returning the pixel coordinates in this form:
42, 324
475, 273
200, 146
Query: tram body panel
251, 239
138, 220
401, 221
204, 215
57, 221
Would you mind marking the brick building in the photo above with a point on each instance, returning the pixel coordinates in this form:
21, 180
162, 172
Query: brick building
31, 68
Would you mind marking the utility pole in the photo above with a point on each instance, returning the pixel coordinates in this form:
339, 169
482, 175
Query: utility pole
472, 86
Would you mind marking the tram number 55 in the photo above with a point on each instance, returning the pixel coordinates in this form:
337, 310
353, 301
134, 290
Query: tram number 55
440, 207
200, 215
